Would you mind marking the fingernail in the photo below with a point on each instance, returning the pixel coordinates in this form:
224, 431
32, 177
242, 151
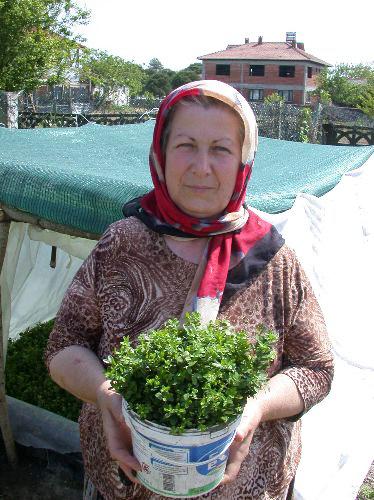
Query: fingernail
239, 437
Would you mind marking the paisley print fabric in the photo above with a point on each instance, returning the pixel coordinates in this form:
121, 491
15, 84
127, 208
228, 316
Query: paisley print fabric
132, 282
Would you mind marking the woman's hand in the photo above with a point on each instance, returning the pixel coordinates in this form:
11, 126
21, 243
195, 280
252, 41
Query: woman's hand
117, 433
239, 448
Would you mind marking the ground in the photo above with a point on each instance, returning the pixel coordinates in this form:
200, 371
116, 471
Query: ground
41, 475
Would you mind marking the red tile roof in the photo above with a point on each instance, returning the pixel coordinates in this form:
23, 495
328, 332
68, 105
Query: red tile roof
271, 51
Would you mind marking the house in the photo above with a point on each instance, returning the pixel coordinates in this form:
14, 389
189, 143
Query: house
258, 69
72, 95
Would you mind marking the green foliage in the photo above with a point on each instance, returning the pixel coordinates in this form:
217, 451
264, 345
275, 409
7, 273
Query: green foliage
197, 68
27, 377
155, 65
274, 98
36, 40
348, 85
158, 83
323, 96
367, 103
192, 376
366, 492
182, 77
305, 124
111, 73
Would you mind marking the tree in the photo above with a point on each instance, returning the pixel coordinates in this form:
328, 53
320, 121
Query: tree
182, 77
155, 65
36, 39
367, 103
197, 68
347, 84
111, 74
324, 96
159, 83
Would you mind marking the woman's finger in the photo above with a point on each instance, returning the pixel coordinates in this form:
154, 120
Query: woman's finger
125, 459
244, 428
250, 420
238, 452
130, 474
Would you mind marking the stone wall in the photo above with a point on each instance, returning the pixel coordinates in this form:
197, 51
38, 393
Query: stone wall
335, 114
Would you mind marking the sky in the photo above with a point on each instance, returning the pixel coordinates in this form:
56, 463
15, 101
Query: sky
177, 32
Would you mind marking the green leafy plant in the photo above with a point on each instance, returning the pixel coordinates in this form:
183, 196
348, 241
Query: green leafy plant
305, 124
274, 98
192, 376
366, 492
27, 377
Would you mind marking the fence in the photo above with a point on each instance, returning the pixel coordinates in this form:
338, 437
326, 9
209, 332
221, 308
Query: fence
74, 99
277, 120
341, 135
45, 120
289, 122
58, 99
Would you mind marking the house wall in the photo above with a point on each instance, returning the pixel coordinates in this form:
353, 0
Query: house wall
271, 82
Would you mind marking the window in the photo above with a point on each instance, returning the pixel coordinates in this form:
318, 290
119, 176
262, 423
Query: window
256, 70
222, 69
256, 95
287, 71
310, 72
286, 94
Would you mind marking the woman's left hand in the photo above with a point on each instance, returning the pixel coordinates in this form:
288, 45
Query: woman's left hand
239, 448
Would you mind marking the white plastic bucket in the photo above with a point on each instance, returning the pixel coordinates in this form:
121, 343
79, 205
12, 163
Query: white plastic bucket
187, 465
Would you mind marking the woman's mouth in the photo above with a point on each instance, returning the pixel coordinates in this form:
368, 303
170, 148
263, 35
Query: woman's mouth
199, 188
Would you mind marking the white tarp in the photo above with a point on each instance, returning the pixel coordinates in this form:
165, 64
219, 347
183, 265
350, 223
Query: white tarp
333, 237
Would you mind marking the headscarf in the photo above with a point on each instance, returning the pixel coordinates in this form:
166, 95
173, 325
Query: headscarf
235, 232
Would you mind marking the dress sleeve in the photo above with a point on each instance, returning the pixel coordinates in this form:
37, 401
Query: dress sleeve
78, 321
307, 355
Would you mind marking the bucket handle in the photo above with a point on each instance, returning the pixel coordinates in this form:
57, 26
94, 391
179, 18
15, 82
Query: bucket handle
196, 464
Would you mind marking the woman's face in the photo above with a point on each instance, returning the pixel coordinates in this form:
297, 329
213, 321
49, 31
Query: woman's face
203, 154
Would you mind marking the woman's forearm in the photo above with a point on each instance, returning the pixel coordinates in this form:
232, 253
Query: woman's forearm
279, 399
79, 371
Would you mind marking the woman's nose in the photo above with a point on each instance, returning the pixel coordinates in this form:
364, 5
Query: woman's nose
202, 165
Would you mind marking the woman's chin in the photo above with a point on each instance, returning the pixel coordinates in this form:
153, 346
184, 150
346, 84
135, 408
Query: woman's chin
204, 213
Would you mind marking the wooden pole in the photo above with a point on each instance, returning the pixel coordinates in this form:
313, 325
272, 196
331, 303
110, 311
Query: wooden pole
6, 429
20, 216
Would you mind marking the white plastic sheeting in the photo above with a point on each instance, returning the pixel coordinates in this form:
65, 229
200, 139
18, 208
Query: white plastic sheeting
333, 237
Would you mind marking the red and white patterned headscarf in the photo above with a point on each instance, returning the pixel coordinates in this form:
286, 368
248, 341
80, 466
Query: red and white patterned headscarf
236, 231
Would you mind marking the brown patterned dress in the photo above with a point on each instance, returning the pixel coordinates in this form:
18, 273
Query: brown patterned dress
132, 282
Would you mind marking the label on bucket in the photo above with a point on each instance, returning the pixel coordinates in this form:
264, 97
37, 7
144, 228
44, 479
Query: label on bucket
186, 465
174, 454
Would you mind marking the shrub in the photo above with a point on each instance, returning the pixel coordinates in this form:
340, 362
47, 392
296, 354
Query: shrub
27, 377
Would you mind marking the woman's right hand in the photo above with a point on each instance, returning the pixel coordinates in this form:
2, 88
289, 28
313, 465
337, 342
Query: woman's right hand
117, 433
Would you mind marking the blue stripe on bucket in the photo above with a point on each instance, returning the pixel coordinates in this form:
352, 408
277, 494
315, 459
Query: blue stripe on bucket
195, 453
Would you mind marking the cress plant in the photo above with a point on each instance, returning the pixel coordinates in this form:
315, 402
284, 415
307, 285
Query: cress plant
191, 376
27, 377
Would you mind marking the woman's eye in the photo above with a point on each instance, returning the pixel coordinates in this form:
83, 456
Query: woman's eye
221, 149
185, 145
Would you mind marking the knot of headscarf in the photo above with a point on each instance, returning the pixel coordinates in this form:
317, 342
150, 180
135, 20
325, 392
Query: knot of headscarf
235, 232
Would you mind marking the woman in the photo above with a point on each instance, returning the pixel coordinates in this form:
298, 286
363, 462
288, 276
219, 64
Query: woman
191, 244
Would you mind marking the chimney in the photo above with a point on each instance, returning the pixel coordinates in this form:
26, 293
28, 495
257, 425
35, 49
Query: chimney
300, 45
291, 38
246, 40
259, 40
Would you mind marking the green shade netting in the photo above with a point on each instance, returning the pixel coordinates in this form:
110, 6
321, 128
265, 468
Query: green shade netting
81, 177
